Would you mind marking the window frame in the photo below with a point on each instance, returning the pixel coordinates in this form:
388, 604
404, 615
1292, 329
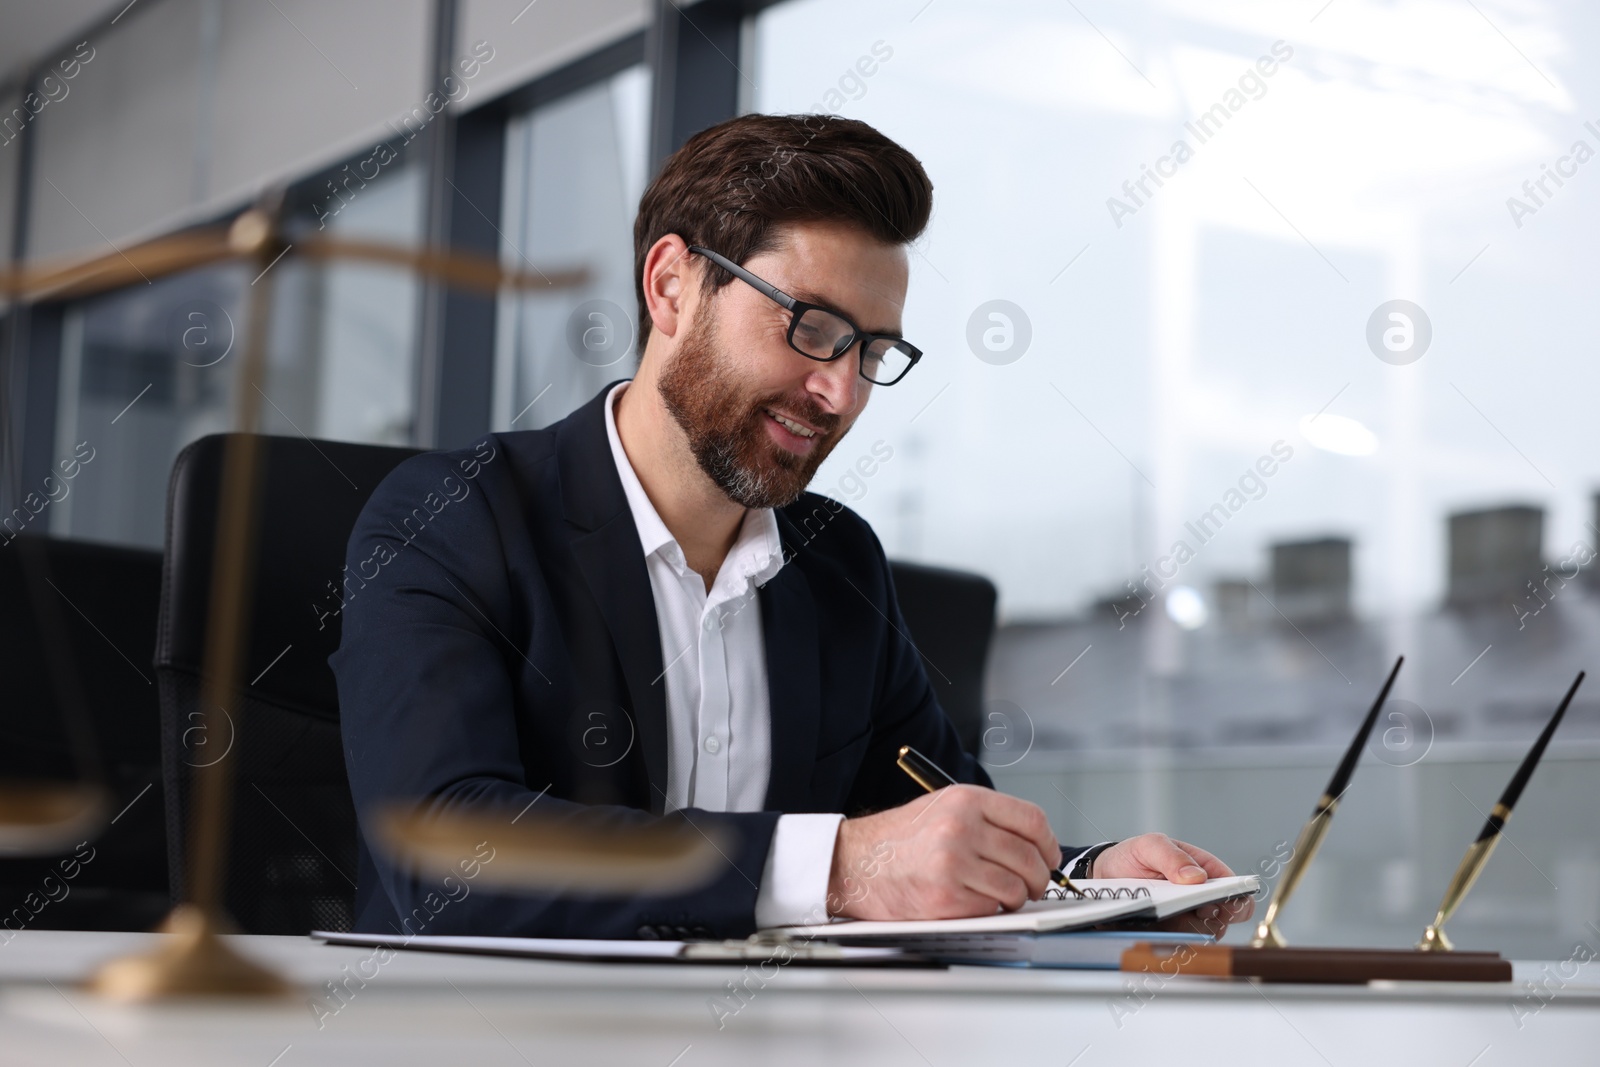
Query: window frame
694, 55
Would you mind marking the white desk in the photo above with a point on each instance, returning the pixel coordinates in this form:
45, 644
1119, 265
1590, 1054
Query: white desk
433, 1009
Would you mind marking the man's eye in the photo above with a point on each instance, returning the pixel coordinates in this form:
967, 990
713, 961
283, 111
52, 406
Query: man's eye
808, 337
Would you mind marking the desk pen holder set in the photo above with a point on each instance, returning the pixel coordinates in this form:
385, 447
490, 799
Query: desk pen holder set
1434, 958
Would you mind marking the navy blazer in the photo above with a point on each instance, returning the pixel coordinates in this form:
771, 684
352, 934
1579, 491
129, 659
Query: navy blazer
500, 649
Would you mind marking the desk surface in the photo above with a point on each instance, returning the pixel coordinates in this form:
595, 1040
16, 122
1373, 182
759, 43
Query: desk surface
430, 1008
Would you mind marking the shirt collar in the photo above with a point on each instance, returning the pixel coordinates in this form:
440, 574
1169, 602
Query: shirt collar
756, 555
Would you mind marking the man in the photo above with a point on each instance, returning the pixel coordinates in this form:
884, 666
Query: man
639, 612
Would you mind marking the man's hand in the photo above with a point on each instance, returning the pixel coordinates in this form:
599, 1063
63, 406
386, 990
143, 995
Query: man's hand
1159, 856
959, 852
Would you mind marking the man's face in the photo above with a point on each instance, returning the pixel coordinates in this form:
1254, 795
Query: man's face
760, 417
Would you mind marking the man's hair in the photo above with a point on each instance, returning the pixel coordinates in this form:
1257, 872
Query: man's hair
729, 188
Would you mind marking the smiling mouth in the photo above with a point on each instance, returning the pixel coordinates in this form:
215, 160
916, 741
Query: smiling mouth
796, 428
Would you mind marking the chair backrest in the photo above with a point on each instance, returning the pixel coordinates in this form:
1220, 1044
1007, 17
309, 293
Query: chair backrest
951, 616
78, 628
292, 839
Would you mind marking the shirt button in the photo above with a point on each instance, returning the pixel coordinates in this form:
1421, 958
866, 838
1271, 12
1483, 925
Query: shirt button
713, 746
711, 622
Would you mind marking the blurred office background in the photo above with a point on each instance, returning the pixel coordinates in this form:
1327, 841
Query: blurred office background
1117, 363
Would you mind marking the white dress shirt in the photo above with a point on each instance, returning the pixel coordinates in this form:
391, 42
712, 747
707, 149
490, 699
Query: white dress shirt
719, 719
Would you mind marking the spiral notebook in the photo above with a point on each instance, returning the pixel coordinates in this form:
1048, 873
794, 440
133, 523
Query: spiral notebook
1105, 900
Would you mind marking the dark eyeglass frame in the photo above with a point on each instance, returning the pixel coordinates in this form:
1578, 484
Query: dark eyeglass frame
859, 338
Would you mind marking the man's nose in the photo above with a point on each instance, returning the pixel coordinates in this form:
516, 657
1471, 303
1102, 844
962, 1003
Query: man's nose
839, 382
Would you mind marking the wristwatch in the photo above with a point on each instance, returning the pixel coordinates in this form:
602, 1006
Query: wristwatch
1083, 865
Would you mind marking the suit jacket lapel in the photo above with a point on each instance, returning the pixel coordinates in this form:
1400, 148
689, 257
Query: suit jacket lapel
794, 681
606, 544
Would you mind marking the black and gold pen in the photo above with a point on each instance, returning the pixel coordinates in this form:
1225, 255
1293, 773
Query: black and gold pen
932, 777
1316, 827
1433, 939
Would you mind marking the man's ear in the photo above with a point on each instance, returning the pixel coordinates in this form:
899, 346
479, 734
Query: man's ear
668, 279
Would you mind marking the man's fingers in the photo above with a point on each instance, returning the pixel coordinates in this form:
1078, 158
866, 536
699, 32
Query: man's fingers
1025, 820
1015, 854
999, 884
1213, 867
1168, 859
1213, 919
1237, 910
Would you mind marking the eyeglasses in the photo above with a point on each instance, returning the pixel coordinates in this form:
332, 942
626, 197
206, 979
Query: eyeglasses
825, 335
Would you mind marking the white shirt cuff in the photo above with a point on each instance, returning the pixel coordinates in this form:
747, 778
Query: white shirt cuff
794, 883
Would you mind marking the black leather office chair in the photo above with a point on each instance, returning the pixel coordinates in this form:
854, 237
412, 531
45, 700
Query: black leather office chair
292, 851
950, 616
81, 632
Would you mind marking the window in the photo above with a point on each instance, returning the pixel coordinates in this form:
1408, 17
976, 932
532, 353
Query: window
362, 322
1133, 346
146, 370
575, 169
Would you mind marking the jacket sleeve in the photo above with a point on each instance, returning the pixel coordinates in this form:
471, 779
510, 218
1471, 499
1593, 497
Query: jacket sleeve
906, 710
427, 670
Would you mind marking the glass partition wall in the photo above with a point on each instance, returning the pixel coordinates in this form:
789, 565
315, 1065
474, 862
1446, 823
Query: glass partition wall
1262, 359
575, 169
146, 370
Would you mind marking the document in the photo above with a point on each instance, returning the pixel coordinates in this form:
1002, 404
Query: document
596, 951
1108, 900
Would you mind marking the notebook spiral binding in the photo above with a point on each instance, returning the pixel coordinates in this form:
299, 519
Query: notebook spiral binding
1056, 892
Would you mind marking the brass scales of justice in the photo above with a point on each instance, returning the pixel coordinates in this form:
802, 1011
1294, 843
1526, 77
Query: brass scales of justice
42, 818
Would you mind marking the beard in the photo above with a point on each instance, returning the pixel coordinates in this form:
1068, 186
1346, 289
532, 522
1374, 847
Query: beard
726, 429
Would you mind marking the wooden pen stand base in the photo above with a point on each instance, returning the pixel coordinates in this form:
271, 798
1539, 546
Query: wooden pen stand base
1337, 966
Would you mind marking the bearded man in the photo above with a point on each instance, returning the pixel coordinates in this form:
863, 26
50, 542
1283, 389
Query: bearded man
638, 613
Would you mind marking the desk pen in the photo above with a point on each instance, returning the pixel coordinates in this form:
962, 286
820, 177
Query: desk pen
1433, 939
1316, 827
931, 777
